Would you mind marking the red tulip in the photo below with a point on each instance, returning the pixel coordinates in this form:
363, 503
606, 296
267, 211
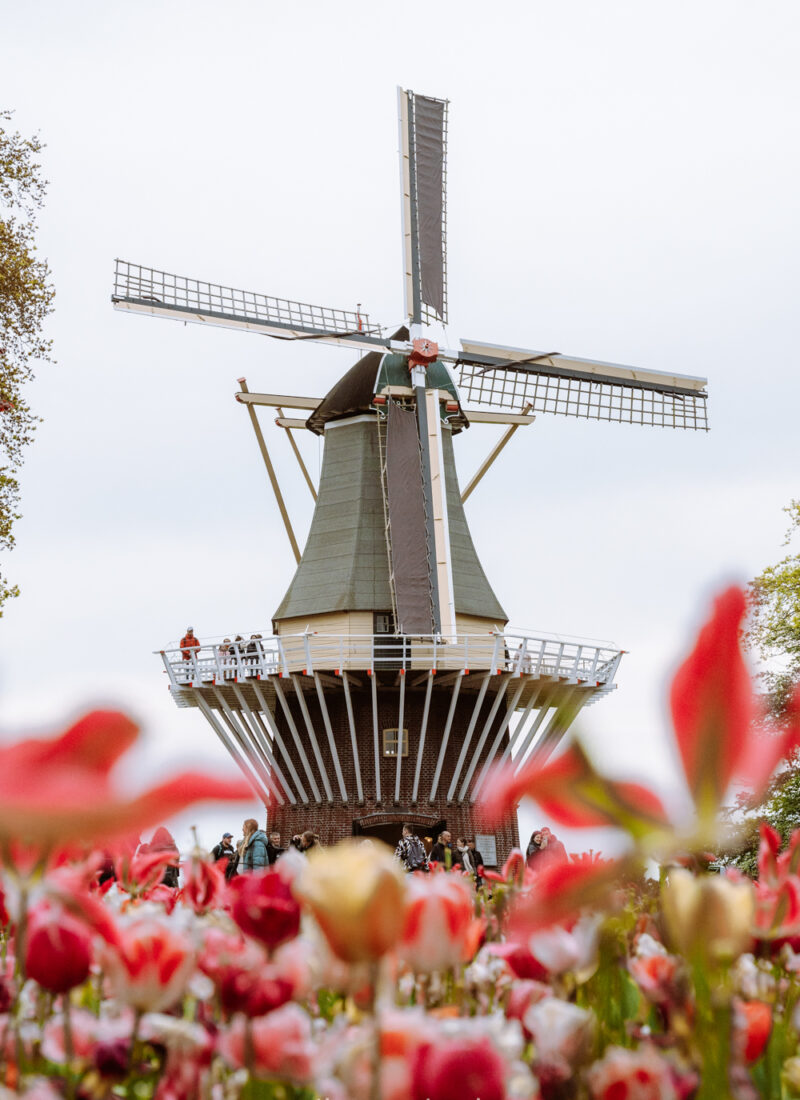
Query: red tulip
58, 950
752, 1024
265, 908
151, 967
205, 884
458, 1069
58, 791
712, 704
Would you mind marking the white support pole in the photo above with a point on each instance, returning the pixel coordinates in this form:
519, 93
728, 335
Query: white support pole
422, 732
515, 738
468, 736
353, 740
376, 736
312, 733
519, 759
565, 715
246, 770
446, 735
275, 681
276, 737
261, 739
331, 743
476, 755
510, 709
400, 719
242, 739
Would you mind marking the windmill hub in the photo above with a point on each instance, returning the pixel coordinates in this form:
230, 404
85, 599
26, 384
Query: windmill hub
389, 681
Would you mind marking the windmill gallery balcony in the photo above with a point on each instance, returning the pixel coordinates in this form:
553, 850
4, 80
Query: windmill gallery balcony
540, 656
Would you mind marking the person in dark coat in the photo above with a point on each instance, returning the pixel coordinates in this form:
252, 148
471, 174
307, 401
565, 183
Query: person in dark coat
476, 859
163, 841
274, 849
253, 852
443, 852
225, 850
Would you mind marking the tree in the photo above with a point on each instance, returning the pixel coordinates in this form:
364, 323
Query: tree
26, 299
775, 621
774, 634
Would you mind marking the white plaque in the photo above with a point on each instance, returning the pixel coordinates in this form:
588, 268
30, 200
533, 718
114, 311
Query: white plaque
486, 845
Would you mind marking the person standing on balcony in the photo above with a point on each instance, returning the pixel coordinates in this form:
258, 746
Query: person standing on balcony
189, 643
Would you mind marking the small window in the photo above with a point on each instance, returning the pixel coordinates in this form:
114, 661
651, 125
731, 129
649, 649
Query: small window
384, 622
390, 742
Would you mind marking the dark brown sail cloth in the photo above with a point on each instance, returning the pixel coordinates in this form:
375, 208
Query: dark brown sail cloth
429, 163
404, 492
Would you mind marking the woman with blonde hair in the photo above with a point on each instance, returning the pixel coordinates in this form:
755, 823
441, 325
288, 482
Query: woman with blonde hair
253, 854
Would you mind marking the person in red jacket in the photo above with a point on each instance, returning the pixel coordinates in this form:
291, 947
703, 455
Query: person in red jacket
188, 643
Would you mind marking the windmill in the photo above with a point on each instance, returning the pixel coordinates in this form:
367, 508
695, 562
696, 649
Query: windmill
390, 681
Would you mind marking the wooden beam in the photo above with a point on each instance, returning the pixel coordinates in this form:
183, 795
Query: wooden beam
282, 400
282, 421
495, 451
271, 472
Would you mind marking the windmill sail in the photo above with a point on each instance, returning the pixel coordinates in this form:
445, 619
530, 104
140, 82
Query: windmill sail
148, 290
411, 569
548, 382
423, 143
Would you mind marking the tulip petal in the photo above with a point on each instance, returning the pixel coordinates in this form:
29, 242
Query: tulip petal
74, 808
572, 793
561, 890
712, 705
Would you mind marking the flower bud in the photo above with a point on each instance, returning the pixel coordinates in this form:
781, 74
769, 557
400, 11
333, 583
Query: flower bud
356, 892
710, 916
58, 950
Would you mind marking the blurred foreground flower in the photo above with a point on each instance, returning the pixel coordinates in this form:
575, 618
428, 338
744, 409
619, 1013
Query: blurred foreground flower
709, 916
713, 710
356, 891
56, 791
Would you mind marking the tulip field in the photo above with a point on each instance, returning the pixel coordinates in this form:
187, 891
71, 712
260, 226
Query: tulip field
658, 975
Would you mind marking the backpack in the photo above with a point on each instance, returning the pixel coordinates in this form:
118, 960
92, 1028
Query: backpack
416, 854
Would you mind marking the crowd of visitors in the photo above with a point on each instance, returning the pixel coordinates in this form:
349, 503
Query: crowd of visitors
257, 850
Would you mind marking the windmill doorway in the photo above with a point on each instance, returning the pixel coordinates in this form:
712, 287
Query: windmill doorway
389, 828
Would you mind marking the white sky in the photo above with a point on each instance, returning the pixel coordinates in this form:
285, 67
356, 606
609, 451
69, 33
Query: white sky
622, 186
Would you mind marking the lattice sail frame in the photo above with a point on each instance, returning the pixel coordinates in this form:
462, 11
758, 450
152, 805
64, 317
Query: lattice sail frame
146, 288
512, 389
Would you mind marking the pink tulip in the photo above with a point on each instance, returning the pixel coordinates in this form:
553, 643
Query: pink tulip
151, 967
281, 1041
439, 929
635, 1074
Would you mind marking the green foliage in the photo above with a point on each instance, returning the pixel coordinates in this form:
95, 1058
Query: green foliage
26, 299
775, 620
774, 634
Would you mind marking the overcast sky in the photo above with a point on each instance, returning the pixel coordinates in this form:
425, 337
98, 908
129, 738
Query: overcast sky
622, 185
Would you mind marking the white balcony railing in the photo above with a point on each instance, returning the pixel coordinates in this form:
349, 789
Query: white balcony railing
213, 662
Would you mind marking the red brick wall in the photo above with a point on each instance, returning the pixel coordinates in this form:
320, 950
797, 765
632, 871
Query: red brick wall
334, 820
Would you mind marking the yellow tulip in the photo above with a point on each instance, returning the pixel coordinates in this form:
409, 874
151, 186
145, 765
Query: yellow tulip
708, 915
356, 892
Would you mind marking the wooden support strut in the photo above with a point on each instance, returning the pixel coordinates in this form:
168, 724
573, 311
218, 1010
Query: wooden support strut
288, 429
271, 473
495, 451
